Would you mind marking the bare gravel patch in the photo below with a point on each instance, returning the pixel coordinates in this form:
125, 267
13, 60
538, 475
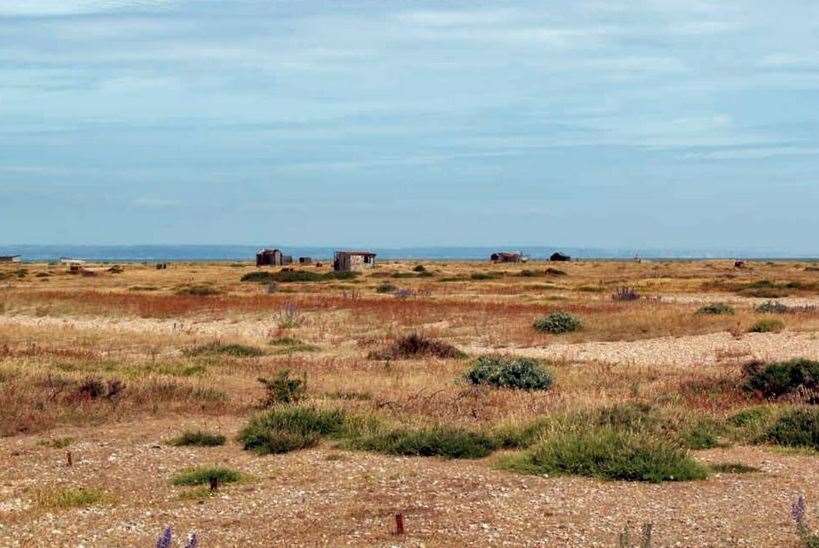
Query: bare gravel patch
681, 351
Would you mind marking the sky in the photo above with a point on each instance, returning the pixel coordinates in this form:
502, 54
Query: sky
621, 123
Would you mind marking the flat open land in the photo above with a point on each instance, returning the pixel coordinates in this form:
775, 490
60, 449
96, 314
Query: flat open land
644, 415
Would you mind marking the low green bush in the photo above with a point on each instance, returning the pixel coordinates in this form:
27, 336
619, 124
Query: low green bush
283, 388
203, 475
772, 307
716, 309
288, 428
259, 276
767, 325
436, 441
607, 453
780, 378
198, 438
510, 372
798, 427
558, 322
198, 291
385, 288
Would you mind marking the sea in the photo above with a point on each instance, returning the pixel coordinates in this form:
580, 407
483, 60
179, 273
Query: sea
235, 253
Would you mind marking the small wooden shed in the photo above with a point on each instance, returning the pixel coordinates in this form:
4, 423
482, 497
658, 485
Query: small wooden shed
558, 256
348, 261
506, 257
9, 258
272, 257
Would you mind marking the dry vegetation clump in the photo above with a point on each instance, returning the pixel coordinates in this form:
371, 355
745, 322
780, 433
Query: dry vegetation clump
716, 309
767, 325
197, 438
416, 345
792, 377
217, 348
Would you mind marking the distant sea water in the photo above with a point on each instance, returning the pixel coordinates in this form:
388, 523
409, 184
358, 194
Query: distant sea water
149, 253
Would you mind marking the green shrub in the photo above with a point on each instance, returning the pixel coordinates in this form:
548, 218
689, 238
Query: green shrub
437, 441
606, 453
419, 268
289, 345
518, 436
701, 434
797, 427
510, 372
385, 288
716, 309
217, 348
772, 307
290, 427
283, 389
777, 379
767, 325
558, 322
198, 438
259, 276
203, 475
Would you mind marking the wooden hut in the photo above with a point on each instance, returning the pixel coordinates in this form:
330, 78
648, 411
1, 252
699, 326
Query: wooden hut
9, 258
349, 261
506, 257
558, 256
272, 257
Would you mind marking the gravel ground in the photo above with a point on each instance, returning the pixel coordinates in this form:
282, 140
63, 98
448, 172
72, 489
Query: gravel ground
683, 351
329, 497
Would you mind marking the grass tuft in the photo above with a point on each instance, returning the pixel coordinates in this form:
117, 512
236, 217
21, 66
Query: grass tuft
557, 323
198, 438
218, 349
436, 441
69, 497
202, 475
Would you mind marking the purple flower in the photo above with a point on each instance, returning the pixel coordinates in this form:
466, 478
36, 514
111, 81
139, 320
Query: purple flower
193, 541
798, 510
165, 540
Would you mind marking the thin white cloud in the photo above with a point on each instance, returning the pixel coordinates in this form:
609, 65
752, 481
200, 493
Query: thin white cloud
45, 8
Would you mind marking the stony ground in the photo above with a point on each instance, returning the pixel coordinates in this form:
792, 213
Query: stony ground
326, 496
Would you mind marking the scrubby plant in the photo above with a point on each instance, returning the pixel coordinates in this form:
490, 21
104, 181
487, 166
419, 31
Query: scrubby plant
198, 438
716, 309
419, 268
807, 536
64, 498
767, 325
259, 276
772, 307
607, 453
798, 427
416, 345
289, 316
436, 441
732, 468
216, 348
558, 322
776, 379
551, 271
385, 287
288, 428
204, 475
289, 345
625, 294
198, 291
510, 372
283, 388
478, 276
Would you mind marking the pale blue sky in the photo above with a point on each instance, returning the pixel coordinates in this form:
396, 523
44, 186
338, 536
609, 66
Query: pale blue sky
654, 123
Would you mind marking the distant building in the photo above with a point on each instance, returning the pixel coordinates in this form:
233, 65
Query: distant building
272, 257
348, 261
9, 258
558, 256
305, 260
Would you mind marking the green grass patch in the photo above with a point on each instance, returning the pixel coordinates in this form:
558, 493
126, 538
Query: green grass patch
780, 378
606, 453
197, 438
767, 325
798, 427
288, 428
202, 475
436, 441
716, 309
218, 349
65, 498
290, 345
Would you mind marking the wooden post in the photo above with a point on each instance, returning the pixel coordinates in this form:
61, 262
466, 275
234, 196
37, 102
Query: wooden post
399, 524
214, 484
68, 458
